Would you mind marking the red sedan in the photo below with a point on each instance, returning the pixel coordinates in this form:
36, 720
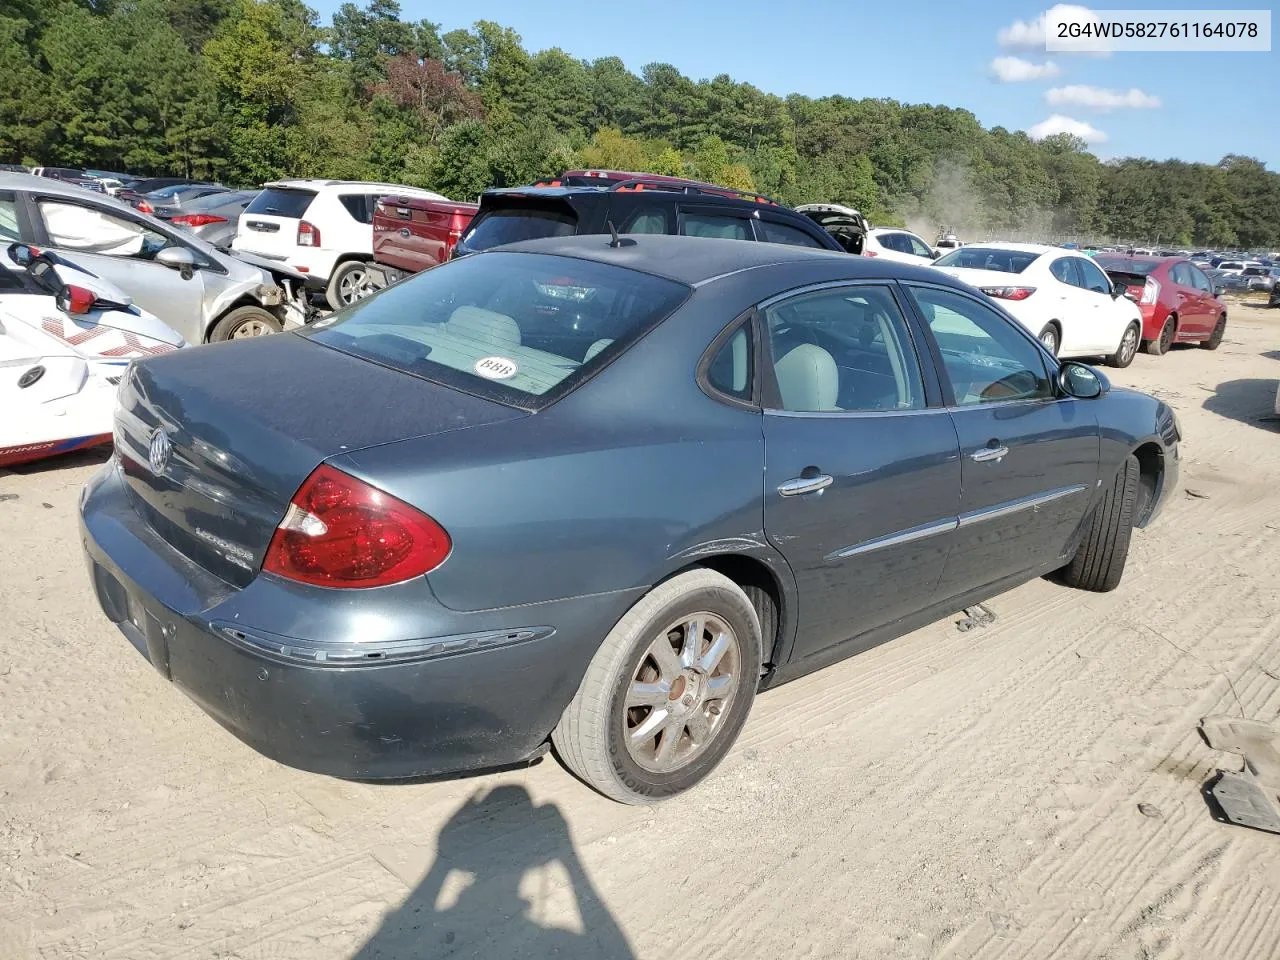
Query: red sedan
1175, 297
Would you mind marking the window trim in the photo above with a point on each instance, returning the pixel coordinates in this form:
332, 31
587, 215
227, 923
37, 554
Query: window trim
749, 319
1052, 367
1081, 262
769, 396
727, 213
757, 229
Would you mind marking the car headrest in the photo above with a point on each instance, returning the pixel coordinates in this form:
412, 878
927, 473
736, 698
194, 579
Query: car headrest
808, 379
487, 326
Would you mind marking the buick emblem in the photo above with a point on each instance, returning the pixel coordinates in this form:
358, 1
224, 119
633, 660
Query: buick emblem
158, 453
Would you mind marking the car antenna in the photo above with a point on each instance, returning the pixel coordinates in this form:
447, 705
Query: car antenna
618, 241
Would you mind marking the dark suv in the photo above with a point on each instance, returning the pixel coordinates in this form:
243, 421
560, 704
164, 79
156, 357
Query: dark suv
639, 205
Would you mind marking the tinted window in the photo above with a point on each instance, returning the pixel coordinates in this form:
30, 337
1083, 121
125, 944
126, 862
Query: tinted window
92, 230
1126, 265
771, 232
1198, 279
509, 325
892, 241
282, 202
359, 205
1064, 269
8, 218
917, 246
843, 349
989, 258
1179, 274
697, 224
646, 220
1254, 272
513, 225
1094, 278
986, 359
730, 370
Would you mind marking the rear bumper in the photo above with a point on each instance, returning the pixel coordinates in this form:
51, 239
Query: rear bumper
1153, 318
472, 691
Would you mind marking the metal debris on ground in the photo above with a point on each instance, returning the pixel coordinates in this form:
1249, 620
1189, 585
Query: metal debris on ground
976, 616
1251, 796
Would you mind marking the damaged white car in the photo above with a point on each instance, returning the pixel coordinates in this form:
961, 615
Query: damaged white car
203, 293
66, 338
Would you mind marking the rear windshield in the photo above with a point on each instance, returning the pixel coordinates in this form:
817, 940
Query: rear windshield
988, 258
1117, 265
519, 328
282, 202
511, 226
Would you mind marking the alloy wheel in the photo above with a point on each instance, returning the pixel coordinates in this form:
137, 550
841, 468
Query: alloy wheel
251, 328
680, 691
1166, 336
1049, 337
1128, 346
352, 286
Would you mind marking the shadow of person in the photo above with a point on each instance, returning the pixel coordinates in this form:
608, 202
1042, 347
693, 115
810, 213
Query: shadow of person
497, 890
1248, 401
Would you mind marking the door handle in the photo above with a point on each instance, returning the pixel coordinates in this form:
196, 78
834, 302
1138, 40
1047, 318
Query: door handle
989, 454
803, 485
405, 232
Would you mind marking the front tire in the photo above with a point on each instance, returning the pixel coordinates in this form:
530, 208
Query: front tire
667, 693
1219, 331
244, 322
1161, 344
1099, 561
1128, 347
348, 284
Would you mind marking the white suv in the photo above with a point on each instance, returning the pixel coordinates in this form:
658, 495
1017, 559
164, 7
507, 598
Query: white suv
323, 228
900, 245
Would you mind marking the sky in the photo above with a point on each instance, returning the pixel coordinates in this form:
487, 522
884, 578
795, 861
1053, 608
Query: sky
1187, 105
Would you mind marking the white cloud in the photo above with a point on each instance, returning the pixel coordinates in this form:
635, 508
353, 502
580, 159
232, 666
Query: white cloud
1017, 70
1060, 124
1032, 34
1080, 95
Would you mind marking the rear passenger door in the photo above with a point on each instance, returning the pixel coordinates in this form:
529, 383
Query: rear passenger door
715, 222
862, 472
1029, 455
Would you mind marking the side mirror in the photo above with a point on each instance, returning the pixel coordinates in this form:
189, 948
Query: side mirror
1118, 290
177, 258
22, 254
1219, 289
1081, 381
936, 253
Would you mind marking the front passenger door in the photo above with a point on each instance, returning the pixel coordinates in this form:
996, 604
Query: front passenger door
1029, 456
120, 249
862, 472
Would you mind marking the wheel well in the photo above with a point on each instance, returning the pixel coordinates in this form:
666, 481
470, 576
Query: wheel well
1150, 471
762, 589
1056, 324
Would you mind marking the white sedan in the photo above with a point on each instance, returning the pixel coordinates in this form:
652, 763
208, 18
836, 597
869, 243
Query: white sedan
1062, 297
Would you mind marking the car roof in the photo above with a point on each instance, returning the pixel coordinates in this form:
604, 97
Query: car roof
701, 194
1137, 257
52, 187
1038, 248
697, 260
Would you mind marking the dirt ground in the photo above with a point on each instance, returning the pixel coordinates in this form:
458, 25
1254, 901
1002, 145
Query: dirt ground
959, 795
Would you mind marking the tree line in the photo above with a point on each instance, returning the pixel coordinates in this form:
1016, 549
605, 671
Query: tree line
245, 91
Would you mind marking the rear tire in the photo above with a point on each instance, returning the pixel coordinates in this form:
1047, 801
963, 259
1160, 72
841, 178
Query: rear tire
244, 322
1099, 561
1051, 338
614, 741
1161, 344
1128, 347
1215, 339
348, 284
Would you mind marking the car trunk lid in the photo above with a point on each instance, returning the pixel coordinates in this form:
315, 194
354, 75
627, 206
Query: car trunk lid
246, 422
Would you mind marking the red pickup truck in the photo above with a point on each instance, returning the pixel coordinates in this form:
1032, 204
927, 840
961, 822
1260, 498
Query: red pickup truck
411, 234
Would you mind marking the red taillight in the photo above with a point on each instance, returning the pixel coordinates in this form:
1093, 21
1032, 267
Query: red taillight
1150, 291
308, 234
342, 532
76, 300
1009, 293
144, 207
198, 219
